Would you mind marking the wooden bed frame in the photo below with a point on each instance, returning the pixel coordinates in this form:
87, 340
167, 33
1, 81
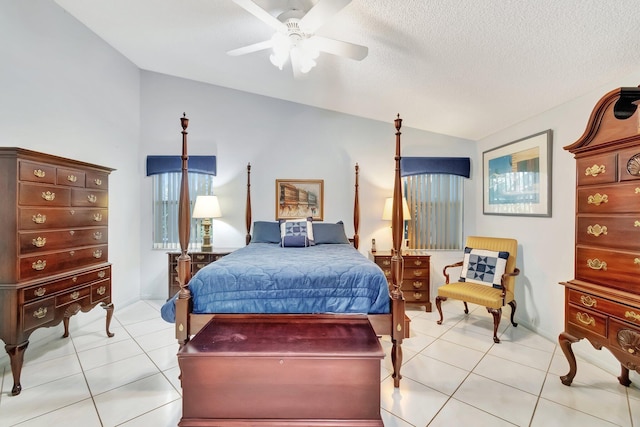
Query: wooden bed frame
395, 324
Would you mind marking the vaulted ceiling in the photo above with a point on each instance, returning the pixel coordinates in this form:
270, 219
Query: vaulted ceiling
466, 68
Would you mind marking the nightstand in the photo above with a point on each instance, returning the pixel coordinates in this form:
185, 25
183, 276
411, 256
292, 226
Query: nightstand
416, 274
198, 261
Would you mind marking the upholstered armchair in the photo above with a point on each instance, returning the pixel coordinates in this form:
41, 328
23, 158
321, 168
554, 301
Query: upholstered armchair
487, 278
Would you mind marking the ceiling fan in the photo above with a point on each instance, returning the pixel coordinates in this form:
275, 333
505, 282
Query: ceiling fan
295, 37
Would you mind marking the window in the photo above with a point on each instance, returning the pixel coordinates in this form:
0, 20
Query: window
166, 194
436, 205
167, 177
434, 189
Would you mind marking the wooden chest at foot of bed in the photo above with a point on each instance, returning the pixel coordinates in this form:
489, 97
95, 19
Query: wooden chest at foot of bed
282, 370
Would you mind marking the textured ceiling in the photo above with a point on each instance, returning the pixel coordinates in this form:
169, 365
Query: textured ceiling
466, 68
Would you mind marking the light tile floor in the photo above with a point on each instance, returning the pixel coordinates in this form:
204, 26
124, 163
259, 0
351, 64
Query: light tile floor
453, 374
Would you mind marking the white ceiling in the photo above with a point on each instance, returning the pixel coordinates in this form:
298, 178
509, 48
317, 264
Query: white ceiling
466, 68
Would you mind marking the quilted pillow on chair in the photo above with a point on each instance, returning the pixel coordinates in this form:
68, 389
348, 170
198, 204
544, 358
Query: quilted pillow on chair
483, 267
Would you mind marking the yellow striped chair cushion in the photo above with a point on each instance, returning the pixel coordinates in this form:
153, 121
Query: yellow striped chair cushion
474, 293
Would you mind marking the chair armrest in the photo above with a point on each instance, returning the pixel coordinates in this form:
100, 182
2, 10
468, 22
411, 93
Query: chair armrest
516, 271
444, 270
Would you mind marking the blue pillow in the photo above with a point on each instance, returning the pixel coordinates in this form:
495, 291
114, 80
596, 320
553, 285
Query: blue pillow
266, 232
296, 233
328, 233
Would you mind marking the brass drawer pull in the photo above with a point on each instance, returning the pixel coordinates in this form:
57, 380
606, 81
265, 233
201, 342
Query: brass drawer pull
101, 274
386, 262
585, 319
101, 290
636, 261
39, 242
588, 301
199, 257
597, 199
596, 264
72, 253
97, 253
97, 217
97, 235
636, 224
74, 279
48, 196
632, 315
39, 265
417, 295
417, 284
387, 273
40, 313
200, 265
594, 170
39, 173
75, 295
417, 273
92, 198
39, 219
637, 190
97, 181
40, 292
72, 178
417, 262
597, 230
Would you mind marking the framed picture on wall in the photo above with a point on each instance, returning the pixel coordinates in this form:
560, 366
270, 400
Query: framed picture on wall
300, 198
517, 177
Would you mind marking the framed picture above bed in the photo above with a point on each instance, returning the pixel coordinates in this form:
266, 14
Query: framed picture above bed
517, 177
300, 198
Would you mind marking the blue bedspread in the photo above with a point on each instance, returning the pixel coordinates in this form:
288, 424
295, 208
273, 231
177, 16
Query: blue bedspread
266, 278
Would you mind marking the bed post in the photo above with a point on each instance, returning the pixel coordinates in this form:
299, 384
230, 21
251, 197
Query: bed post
356, 213
397, 264
247, 213
184, 260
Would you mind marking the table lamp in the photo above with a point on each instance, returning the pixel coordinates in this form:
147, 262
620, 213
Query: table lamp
206, 207
388, 209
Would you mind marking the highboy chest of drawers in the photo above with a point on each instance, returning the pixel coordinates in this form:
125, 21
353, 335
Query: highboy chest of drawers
54, 246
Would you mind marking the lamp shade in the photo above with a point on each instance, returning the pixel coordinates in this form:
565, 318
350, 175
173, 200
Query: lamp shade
206, 207
387, 213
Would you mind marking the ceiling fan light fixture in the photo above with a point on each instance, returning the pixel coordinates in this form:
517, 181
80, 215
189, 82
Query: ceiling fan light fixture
281, 47
295, 38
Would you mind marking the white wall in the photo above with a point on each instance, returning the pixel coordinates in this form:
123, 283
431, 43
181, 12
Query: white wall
66, 92
546, 245
281, 140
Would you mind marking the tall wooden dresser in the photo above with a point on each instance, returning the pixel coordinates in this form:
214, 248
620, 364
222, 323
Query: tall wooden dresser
602, 302
54, 246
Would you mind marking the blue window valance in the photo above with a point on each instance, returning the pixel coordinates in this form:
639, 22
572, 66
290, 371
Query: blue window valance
435, 165
197, 164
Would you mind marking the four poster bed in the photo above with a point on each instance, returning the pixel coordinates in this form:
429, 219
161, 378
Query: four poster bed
368, 294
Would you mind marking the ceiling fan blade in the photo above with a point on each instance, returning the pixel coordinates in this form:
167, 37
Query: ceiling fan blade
251, 48
261, 14
319, 13
340, 48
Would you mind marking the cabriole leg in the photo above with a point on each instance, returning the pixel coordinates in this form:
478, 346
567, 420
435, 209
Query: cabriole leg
109, 309
497, 314
565, 340
439, 307
16, 357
